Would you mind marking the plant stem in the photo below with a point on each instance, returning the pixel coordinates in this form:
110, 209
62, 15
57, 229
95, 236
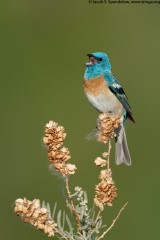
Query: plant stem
109, 151
111, 226
72, 204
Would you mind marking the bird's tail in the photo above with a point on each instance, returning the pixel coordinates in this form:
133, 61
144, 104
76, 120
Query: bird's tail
121, 148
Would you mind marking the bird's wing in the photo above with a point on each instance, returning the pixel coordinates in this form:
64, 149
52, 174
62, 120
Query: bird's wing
118, 91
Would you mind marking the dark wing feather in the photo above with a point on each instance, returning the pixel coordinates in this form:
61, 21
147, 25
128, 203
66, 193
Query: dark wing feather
118, 91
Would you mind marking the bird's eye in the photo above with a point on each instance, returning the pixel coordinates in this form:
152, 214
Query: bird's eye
99, 59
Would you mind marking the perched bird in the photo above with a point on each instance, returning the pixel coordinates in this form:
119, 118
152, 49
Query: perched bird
105, 93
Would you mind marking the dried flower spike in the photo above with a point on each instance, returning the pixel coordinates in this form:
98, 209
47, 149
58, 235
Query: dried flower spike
106, 190
31, 212
57, 155
106, 126
54, 135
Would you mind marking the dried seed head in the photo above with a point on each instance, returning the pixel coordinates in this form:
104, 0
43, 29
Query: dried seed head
100, 162
105, 174
106, 127
57, 155
106, 190
31, 212
65, 169
54, 135
71, 168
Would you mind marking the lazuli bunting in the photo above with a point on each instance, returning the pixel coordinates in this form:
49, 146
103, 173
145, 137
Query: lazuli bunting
105, 93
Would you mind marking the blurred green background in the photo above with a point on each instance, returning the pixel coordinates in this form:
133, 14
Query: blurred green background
43, 49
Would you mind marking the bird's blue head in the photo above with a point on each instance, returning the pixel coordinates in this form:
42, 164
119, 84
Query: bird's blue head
97, 65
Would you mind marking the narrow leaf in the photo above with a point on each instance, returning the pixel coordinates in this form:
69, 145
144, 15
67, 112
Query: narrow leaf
54, 210
93, 215
92, 210
82, 213
43, 204
69, 206
69, 224
49, 209
99, 223
64, 218
78, 209
85, 197
79, 238
59, 220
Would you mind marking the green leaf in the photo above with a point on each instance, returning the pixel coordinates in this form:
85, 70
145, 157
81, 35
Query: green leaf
92, 212
93, 215
59, 221
49, 209
79, 238
69, 224
64, 218
54, 211
99, 223
43, 205
82, 213
85, 197
78, 209
69, 206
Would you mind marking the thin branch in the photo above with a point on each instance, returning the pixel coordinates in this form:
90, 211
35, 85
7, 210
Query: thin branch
112, 225
72, 204
108, 156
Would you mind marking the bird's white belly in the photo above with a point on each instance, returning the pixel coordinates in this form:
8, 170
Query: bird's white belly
108, 104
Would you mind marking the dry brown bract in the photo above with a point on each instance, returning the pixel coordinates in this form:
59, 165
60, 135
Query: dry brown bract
54, 135
106, 191
31, 212
100, 162
106, 126
58, 155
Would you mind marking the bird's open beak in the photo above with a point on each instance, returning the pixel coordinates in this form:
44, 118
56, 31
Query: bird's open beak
91, 60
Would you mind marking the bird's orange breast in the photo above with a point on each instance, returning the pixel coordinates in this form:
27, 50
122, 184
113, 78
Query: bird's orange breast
95, 86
